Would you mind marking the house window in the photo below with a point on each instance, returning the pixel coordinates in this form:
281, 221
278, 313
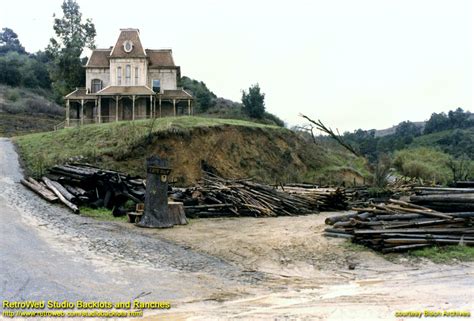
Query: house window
136, 76
119, 76
127, 75
96, 85
156, 85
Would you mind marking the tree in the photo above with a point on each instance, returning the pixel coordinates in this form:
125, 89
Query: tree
72, 36
9, 42
254, 102
436, 123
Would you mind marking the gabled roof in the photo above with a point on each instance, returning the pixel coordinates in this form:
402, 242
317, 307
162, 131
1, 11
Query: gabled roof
99, 59
132, 35
160, 58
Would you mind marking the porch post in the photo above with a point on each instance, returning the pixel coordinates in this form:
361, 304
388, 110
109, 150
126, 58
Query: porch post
189, 107
67, 113
82, 111
133, 107
154, 107
116, 108
159, 103
151, 106
174, 107
99, 111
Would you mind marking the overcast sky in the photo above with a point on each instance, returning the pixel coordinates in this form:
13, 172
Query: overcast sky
352, 64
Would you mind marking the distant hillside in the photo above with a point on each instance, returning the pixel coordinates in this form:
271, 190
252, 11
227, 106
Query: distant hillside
25, 111
392, 130
233, 148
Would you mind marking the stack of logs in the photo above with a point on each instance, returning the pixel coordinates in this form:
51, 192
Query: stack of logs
444, 199
82, 184
216, 196
326, 198
398, 226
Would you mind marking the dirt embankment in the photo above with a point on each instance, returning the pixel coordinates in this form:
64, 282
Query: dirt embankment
270, 155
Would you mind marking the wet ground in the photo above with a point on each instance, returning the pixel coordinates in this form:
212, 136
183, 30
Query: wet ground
239, 268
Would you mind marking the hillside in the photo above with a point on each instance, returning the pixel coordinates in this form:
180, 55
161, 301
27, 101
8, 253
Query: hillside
233, 148
25, 111
456, 142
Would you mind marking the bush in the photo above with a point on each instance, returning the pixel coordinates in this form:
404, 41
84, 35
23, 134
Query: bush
425, 163
12, 94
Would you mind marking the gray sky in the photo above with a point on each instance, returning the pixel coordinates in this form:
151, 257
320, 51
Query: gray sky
353, 64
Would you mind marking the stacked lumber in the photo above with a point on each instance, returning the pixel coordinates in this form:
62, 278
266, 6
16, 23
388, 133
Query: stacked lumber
82, 184
399, 226
444, 198
327, 199
216, 196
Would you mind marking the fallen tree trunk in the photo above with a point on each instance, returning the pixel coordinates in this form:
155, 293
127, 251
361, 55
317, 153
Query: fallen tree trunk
39, 189
63, 199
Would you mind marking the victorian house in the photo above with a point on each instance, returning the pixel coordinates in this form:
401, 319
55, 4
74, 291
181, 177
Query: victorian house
128, 82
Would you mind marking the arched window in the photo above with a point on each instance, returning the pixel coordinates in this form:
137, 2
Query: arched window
96, 85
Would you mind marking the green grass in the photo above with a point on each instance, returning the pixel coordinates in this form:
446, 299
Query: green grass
101, 214
43, 150
445, 254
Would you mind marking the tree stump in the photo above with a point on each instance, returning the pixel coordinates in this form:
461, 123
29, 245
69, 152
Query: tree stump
156, 197
177, 214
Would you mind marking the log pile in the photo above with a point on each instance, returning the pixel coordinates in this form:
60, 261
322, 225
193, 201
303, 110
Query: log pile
81, 184
444, 199
327, 199
399, 226
216, 196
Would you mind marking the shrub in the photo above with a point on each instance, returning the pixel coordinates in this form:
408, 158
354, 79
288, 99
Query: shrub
425, 163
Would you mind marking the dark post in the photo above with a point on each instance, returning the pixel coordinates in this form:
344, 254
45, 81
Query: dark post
156, 197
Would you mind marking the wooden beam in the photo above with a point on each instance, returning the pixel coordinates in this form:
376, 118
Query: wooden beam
116, 108
99, 113
133, 107
82, 111
67, 113
159, 102
151, 106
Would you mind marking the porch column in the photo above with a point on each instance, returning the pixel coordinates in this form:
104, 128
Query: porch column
133, 107
67, 113
189, 107
151, 106
116, 108
174, 107
154, 107
99, 111
82, 111
159, 103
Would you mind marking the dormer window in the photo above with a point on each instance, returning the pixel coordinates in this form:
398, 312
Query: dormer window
127, 46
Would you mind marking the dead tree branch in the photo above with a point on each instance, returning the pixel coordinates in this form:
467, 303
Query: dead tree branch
336, 136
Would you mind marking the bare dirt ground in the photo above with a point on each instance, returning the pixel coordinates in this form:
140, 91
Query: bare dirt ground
212, 269
308, 275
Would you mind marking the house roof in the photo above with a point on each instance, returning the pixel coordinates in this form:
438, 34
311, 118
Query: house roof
176, 94
125, 90
79, 93
99, 59
160, 58
132, 35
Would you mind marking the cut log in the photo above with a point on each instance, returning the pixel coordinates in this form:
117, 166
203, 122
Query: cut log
53, 188
39, 189
176, 213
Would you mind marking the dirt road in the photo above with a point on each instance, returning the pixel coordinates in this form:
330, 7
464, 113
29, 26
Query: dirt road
240, 268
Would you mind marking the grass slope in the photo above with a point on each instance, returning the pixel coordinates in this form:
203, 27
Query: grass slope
235, 148
24, 111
